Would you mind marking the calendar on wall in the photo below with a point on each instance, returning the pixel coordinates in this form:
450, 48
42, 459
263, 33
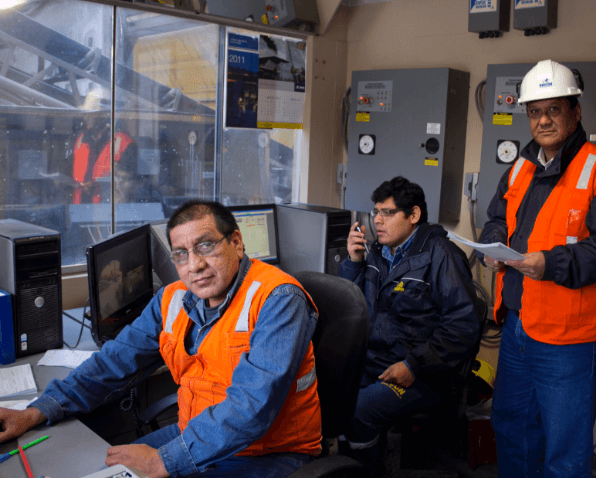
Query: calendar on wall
282, 78
265, 82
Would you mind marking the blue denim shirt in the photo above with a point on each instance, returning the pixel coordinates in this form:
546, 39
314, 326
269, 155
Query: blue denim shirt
400, 252
260, 383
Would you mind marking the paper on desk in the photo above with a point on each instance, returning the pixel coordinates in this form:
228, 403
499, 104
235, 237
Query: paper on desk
16, 404
64, 358
16, 381
496, 250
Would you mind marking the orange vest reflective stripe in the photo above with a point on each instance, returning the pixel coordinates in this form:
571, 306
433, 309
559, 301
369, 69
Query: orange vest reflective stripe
204, 377
552, 313
101, 168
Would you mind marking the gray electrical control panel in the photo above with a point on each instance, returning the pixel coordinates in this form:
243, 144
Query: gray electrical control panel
530, 14
301, 14
297, 14
506, 127
491, 15
411, 123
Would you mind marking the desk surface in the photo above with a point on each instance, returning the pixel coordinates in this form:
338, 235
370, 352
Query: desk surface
73, 450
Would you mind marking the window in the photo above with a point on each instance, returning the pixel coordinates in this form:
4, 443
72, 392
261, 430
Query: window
70, 94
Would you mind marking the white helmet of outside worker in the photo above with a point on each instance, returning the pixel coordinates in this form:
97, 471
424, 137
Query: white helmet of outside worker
549, 79
97, 99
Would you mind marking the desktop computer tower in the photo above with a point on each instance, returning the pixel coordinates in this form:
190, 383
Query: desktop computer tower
31, 273
312, 238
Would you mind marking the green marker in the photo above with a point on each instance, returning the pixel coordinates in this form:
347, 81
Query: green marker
6, 456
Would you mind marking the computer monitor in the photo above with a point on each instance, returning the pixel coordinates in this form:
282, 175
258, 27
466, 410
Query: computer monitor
160, 253
120, 281
258, 225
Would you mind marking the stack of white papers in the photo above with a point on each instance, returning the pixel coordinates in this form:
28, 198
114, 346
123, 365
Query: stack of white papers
64, 358
15, 381
496, 250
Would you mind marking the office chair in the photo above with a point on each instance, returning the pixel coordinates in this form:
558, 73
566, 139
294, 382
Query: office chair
449, 415
340, 342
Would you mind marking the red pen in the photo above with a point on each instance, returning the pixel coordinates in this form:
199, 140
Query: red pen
29, 474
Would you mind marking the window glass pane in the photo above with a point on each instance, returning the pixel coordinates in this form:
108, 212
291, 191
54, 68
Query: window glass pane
166, 77
50, 123
261, 165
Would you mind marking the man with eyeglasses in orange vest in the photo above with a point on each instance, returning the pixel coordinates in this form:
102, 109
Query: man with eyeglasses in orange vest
424, 314
235, 334
543, 403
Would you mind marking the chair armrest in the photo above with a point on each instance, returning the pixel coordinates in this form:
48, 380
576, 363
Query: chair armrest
326, 466
149, 415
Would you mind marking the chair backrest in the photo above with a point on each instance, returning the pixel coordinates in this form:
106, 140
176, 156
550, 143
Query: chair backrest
340, 343
466, 369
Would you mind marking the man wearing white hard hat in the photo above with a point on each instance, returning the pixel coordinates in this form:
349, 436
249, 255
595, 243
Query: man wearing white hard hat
544, 207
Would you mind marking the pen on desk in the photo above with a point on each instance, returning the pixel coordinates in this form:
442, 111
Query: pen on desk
26, 463
365, 244
6, 456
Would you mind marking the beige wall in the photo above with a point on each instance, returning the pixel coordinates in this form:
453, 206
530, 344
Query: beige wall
421, 34
326, 83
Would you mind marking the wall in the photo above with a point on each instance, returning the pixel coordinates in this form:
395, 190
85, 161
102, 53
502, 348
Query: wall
423, 34
326, 83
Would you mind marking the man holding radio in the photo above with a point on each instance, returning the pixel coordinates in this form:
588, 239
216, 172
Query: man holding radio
425, 317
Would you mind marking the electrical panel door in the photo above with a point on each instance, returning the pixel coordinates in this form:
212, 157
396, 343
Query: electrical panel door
411, 123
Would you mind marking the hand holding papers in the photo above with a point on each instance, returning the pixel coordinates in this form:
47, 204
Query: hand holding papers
495, 250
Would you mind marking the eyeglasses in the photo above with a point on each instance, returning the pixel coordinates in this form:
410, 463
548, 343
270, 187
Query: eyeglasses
384, 213
180, 256
552, 112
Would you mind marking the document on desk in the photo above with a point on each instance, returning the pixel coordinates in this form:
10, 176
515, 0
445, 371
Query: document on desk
16, 404
15, 381
496, 250
64, 358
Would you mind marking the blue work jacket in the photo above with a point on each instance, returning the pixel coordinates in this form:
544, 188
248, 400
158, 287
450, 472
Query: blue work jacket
424, 311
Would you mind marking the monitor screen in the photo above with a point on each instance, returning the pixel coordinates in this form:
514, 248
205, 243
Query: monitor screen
120, 281
258, 225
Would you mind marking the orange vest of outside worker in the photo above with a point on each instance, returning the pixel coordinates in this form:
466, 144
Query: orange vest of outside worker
101, 167
205, 376
549, 312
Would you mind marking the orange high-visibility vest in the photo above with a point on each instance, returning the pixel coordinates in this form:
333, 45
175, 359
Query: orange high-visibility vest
205, 376
552, 313
101, 168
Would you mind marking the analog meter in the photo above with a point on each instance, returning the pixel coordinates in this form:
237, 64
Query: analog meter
366, 144
507, 151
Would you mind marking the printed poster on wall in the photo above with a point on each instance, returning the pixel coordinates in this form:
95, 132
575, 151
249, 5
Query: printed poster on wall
282, 79
242, 81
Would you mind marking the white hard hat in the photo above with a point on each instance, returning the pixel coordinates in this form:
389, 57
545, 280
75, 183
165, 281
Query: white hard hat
97, 99
549, 79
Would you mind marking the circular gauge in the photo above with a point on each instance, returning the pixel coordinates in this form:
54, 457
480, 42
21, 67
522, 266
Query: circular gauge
507, 151
366, 144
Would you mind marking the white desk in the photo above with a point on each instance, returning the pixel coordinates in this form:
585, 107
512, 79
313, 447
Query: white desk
73, 450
